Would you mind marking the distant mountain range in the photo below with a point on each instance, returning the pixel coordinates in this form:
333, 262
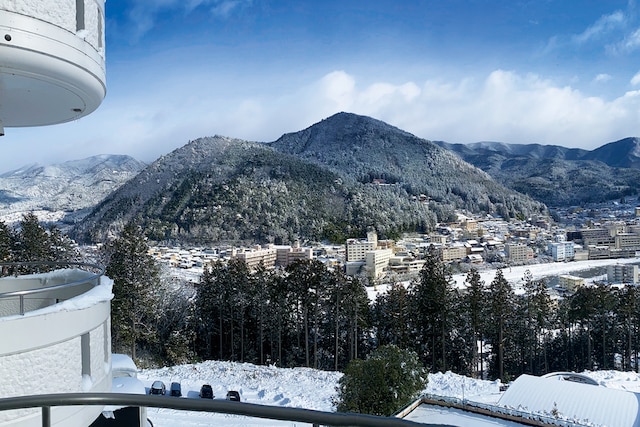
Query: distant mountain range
559, 176
333, 180
63, 192
338, 178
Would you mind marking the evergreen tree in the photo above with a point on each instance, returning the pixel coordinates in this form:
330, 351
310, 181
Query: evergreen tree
261, 305
629, 322
309, 284
134, 274
474, 307
7, 243
280, 319
32, 243
581, 313
388, 380
432, 307
605, 337
348, 308
32, 240
214, 311
391, 313
501, 303
175, 315
537, 308
60, 246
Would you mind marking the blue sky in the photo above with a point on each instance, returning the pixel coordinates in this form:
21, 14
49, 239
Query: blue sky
555, 72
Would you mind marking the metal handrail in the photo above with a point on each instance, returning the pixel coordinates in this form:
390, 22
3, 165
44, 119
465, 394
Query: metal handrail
94, 278
46, 401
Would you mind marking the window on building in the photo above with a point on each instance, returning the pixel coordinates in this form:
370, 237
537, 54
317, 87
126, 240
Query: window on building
85, 345
106, 340
100, 24
79, 15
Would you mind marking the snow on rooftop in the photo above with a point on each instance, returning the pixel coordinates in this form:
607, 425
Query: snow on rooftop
569, 400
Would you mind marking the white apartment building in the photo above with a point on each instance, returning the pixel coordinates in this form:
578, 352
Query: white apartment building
377, 261
286, 255
622, 273
627, 241
256, 256
561, 251
452, 253
599, 236
570, 283
518, 253
357, 249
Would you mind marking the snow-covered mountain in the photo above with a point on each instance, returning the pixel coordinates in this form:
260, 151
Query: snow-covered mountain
63, 192
559, 176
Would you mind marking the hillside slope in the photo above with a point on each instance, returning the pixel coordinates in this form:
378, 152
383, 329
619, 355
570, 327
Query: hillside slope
227, 190
337, 179
367, 149
65, 190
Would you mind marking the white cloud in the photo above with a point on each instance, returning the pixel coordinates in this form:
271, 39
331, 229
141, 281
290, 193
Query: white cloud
630, 43
338, 88
603, 77
224, 8
143, 13
603, 25
635, 80
154, 117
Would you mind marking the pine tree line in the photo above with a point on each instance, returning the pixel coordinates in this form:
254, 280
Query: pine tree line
485, 330
306, 315
31, 242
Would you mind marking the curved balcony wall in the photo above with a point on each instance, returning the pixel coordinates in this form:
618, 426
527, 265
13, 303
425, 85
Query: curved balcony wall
62, 343
52, 67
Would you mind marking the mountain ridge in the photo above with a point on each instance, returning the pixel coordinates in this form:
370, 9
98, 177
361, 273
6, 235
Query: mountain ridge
313, 184
65, 190
560, 176
360, 153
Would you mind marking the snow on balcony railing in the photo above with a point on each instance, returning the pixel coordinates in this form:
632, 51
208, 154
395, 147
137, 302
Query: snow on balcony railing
32, 286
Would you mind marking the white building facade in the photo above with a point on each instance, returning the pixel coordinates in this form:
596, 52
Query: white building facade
60, 342
52, 61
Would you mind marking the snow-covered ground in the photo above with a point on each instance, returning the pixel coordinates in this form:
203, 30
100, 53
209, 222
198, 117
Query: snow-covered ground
312, 389
265, 385
538, 271
308, 388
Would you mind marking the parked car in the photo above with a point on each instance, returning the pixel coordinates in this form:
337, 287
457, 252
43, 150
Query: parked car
175, 389
158, 387
233, 395
206, 392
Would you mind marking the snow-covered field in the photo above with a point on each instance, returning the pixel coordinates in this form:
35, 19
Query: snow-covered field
539, 271
515, 274
265, 385
307, 388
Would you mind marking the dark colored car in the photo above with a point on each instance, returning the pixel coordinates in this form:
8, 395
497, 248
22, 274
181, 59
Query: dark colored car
175, 390
157, 387
233, 395
206, 392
